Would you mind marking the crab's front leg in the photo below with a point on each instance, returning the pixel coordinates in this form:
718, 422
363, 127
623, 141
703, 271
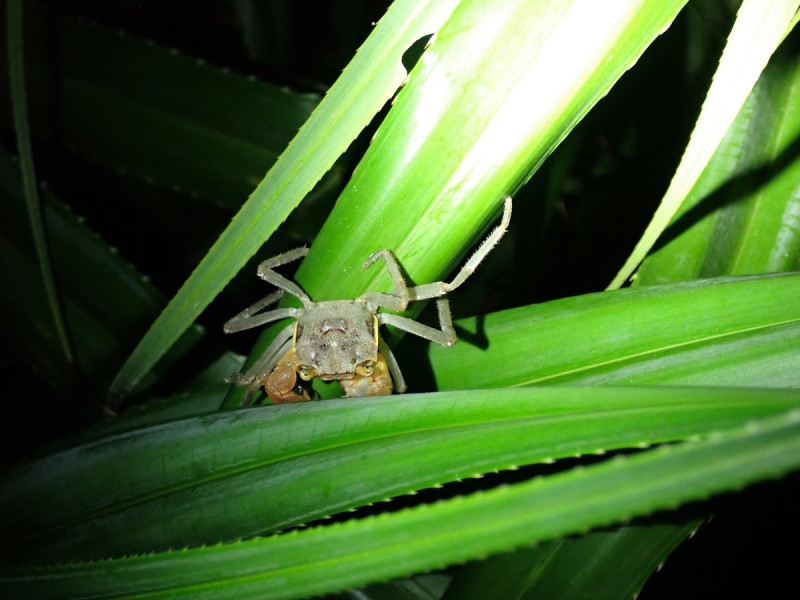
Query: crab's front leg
256, 375
267, 273
283, 385
399, 298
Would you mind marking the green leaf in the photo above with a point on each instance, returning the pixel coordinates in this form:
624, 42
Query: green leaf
612, 563
727, 331
19, 103
300, 564
455, 144
760, 26
104, 317
365, 85
231, 475
152, 112
742, 215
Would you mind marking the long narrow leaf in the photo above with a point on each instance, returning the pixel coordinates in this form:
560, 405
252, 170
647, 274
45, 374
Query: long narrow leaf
20, 108
760, 26
365, 85
231, 475
330, 558
726, 331
742, 215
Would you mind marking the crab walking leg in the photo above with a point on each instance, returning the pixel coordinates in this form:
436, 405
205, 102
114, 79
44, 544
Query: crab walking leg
265, 271
397, 300
446, 336
247, 319
440, 288
254, 377
235, 325
394, 368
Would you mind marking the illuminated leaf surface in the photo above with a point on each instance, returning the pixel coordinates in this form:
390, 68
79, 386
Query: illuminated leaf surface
736, 331
259, 471
760, 27
299, 564
367, 83
742, 215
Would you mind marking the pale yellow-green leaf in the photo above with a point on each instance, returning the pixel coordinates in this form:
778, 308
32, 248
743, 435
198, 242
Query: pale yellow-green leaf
760, 26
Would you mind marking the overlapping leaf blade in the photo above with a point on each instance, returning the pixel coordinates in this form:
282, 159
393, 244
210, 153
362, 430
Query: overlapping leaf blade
299, 564
366, 84
760, 27
741, 216
737, 331
269, 469
454, 144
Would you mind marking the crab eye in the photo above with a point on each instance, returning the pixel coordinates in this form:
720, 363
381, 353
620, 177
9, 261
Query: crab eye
365, 369
307, 373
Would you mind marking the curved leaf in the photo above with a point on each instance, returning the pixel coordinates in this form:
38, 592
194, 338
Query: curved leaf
760, 26
301, 564
365, 85
742, 215
727, 331
230, 475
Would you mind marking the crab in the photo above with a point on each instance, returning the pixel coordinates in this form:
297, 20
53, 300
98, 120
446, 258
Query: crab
339, 339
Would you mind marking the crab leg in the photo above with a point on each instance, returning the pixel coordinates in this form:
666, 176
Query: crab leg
247, 319
446, 336
440, 288
254, 377
394, 368
397, 300
265, 271
248, 322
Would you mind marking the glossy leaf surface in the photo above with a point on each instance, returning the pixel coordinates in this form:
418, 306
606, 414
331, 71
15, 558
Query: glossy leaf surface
299, 564
742, 215
259, 471
760, 27
367, 83
737, 331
